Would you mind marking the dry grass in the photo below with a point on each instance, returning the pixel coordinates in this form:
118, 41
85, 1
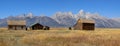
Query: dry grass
99, 37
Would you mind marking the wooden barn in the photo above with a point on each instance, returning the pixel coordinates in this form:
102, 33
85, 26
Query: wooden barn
36, 26
16, 24
84, 24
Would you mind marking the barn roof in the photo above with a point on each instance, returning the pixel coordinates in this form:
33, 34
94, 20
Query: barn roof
16, 22
85, 21
35, 24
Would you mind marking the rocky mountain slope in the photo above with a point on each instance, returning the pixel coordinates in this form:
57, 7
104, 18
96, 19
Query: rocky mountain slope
64, 19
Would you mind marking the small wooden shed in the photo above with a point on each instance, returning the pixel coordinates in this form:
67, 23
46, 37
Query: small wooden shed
16, 24
36, 26
84, 24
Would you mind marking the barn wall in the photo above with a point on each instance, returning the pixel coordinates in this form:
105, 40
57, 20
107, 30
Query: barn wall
84, 26
16, 27
37, 27
78, 26
88, 26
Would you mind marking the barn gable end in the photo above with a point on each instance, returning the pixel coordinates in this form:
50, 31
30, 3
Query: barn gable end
38, 26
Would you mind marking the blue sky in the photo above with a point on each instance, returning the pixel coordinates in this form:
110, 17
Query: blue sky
107, 8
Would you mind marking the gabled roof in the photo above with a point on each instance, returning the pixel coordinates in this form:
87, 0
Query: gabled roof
35, 24
16, 22
85, 21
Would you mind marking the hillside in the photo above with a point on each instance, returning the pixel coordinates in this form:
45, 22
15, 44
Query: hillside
64, 19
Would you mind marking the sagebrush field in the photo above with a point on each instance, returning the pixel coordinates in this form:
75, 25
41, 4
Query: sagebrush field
99, 37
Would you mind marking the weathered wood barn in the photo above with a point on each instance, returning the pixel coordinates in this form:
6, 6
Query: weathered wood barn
38, 26
16, 24
84, 24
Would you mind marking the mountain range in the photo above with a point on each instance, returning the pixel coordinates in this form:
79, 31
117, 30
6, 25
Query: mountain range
64, 19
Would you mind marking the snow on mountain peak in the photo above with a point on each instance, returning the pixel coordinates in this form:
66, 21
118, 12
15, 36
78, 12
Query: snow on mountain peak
67, 19
29, 15
81, 12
